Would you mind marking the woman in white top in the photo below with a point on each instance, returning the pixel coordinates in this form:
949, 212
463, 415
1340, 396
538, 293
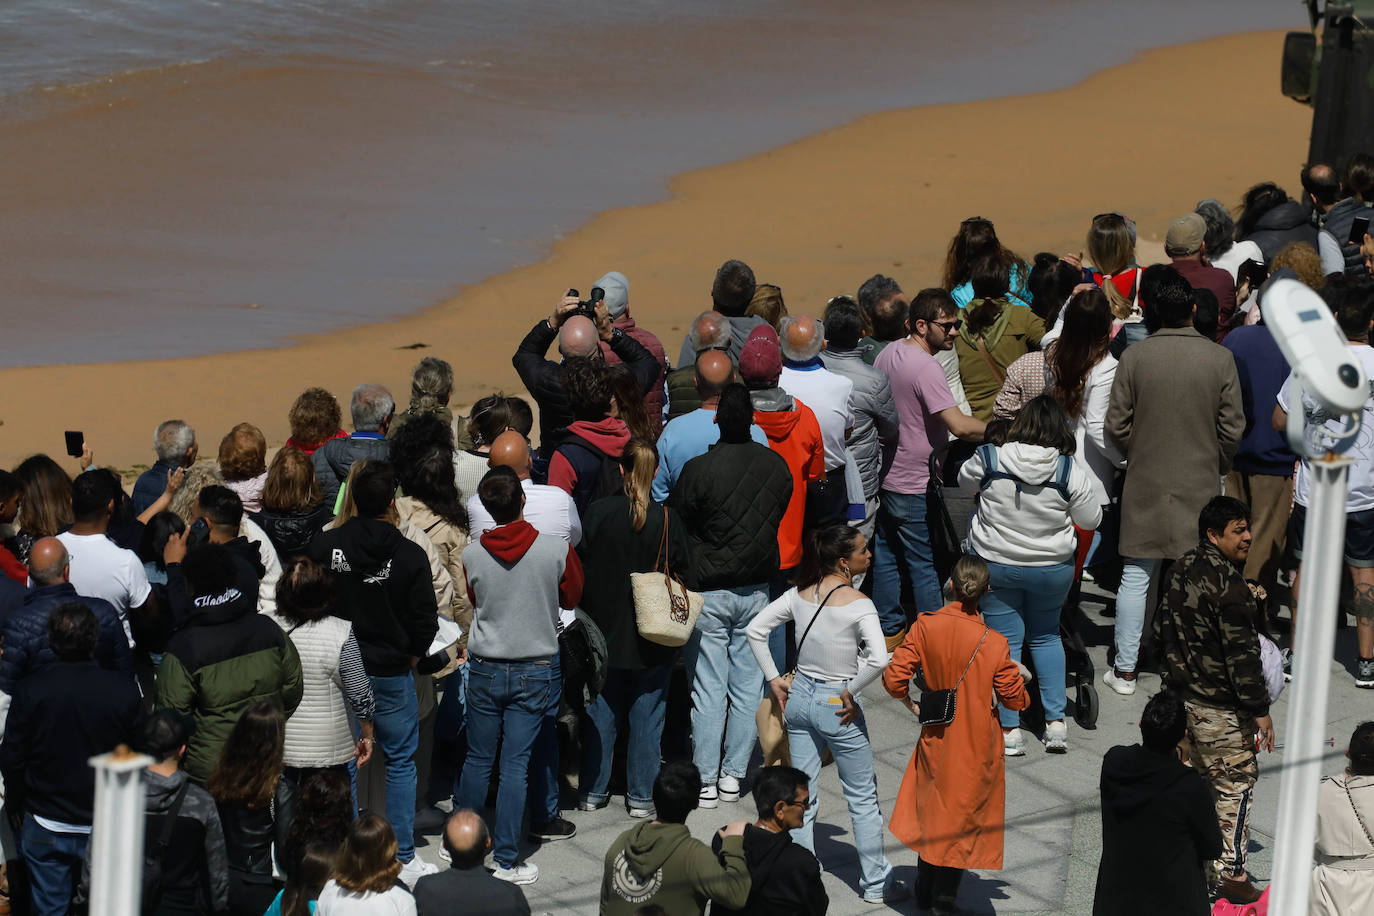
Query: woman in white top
833, 619
1343, 876
1031, 495
366, 874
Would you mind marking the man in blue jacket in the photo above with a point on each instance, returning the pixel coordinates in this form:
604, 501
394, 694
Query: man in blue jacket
25, 627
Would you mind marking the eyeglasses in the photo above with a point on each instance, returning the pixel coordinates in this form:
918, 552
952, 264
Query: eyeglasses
803, 804
949, 327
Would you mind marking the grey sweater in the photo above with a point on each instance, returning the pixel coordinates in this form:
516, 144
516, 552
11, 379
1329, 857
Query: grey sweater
517, 581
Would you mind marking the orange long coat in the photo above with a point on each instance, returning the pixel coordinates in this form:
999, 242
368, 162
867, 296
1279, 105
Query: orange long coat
951, 808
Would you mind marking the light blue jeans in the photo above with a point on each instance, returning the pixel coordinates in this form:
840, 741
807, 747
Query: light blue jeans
1131, 595
397, 728
812, 725
1024, 606
640, 699
723, 670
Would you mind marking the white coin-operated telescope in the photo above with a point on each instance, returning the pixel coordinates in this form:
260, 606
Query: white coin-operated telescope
1329, 394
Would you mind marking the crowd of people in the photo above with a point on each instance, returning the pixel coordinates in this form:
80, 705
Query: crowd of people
317, 645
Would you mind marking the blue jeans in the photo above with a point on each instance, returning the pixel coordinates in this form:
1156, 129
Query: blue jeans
397, 727
507, 702
811, 727
902, 546
1136, 575
639, 697
1024, 606
543, 791
54, 861
723, 670
452, 705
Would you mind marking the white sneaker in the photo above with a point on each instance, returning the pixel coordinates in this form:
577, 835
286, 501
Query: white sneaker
1013, 745
1057, 737
639, 813
709, 797
729, 788
416, 869
524, 873
1120, 684
444, 854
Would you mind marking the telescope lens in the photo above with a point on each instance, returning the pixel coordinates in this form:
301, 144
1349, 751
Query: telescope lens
1349, 375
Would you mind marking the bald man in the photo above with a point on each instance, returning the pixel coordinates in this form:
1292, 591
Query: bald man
830, 396
709, 331
693, 433
467, 887
549, 509
25, 628
543, 378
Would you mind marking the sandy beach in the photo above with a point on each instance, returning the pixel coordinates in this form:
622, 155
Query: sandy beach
817, 217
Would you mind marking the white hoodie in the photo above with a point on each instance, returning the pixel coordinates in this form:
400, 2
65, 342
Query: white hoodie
1033, 527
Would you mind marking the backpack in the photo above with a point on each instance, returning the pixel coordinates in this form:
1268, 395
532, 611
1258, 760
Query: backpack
152, 862
598, 474
991, 472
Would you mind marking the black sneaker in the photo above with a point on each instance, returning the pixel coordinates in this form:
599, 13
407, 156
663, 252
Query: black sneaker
556, 829
1364, 672
1287, 656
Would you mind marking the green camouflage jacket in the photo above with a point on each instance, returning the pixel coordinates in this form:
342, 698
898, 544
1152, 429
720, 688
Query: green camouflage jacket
1206, 631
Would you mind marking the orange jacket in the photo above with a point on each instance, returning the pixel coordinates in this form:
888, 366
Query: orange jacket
796, 436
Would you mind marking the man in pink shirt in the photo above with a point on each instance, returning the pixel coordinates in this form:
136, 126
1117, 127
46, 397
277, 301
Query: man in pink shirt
927, 415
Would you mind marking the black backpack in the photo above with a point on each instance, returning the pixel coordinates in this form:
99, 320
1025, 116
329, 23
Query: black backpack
152, 862
598, 474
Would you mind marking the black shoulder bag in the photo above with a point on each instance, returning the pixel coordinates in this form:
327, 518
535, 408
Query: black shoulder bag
937, 706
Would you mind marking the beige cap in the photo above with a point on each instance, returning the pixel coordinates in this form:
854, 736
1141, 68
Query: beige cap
1185, 235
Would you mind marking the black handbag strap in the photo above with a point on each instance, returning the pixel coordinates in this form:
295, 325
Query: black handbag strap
165, 836
972, 657
814, 618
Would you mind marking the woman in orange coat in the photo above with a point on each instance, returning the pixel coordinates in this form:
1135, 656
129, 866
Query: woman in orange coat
951, 806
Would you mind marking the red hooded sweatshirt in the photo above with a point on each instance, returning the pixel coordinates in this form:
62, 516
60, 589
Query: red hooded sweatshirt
610, 434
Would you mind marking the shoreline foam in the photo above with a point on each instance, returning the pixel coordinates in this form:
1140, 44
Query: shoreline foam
817, 216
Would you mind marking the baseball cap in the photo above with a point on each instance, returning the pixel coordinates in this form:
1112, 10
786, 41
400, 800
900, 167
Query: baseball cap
760, 359
617, 290
1185, 234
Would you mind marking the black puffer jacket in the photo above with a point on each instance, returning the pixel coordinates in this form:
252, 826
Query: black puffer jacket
1285, 223
543, 378
1338, 221
25, 632
292, 532
336, 458
732, 500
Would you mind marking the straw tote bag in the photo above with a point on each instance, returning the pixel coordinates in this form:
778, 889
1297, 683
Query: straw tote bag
666, 611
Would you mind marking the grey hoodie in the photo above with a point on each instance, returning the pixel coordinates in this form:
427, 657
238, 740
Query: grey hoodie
663, 864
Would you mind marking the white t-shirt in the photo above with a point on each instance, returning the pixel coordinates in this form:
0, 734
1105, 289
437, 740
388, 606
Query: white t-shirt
103, 569
1236, 255
831, 398
1360, 493
335, 901
549, 509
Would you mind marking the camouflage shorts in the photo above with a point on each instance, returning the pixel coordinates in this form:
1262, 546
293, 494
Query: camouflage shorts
1224, 753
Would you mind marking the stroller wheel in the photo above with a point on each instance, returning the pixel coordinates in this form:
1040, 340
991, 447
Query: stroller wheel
1085, 706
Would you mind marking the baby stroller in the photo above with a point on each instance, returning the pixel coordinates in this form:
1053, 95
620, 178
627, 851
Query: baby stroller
948, 516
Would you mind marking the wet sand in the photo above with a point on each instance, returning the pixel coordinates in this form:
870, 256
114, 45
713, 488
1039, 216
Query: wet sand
817, 217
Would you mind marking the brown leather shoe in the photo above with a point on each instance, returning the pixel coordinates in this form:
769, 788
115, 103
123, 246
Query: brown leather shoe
895, 640
1237, 890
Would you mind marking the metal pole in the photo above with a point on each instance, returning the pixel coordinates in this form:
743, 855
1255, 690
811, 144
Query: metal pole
117, 833
1323, 540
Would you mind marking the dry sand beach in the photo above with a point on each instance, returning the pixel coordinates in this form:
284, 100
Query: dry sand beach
882, 194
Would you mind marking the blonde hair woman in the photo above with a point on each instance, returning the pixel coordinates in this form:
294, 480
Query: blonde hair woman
951, 803
622, 534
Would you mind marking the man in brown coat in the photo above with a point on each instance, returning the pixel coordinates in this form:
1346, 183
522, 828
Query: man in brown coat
1176, 414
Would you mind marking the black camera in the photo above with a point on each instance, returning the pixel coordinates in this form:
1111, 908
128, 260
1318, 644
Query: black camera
588, 306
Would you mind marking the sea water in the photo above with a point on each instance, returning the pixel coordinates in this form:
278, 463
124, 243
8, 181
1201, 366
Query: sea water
196, 176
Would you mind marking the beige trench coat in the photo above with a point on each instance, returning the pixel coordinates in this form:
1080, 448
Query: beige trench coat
1343, 876
1176, 414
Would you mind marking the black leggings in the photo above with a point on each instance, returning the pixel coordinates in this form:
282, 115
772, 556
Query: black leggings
937, 886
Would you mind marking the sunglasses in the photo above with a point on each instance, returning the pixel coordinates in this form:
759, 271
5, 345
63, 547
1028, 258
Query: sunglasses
949, 327
804, 803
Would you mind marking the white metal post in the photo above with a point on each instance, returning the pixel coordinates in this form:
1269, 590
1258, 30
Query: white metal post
117, 833
1318, 599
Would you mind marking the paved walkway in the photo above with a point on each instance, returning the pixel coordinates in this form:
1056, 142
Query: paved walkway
1054, 828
